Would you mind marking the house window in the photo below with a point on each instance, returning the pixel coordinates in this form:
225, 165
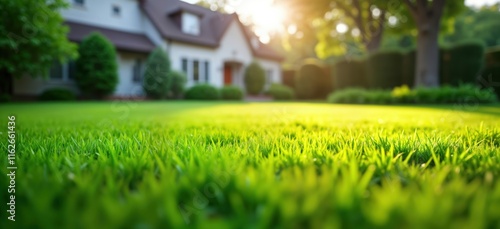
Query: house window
78, 2
116, 10
56, 71
137, 71
190, 24
62, 72
196, 71
184, 65
207, 71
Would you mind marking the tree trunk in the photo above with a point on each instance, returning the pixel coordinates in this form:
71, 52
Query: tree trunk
427, 62
373, 44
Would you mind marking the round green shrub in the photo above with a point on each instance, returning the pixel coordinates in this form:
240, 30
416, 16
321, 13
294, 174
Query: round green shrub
57, 94
178, 82
384, 69
231, 93
255, 78
350, 74
462, 63
202, 92
96, 67
281, 92
312, 82
157, 83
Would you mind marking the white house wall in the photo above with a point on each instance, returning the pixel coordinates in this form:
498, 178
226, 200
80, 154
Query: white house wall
233, 48
273, 67
126, 86
100, 13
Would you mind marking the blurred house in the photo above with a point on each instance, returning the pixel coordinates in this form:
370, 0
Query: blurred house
210, 47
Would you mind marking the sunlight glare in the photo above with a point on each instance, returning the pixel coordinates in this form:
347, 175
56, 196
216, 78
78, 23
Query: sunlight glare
342, 28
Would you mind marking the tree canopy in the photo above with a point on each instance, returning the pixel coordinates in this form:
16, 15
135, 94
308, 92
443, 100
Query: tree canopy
33, 38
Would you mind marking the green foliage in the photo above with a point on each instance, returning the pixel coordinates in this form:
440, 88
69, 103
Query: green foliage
33, 37
157, 83
312, 82
462, 63
178, 83
255, 78
5, 98
350, 73
281, 92
490, 77
231, 93
203, 92
288, 76
464, 94
57, 94
384, 69
264, 165
483, 24
96, 67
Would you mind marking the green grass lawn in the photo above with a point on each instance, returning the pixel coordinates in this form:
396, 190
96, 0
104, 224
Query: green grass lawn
252, 165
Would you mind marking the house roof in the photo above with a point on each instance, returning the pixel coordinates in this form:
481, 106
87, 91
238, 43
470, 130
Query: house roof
213, 25
126, 41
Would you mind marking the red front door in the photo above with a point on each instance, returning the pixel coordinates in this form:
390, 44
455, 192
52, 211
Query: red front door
228, 76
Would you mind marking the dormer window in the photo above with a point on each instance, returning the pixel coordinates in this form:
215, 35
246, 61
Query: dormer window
116, 10
190, 23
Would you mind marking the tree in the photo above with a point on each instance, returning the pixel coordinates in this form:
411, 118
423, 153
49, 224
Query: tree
365, 20
157, 83
96, 67
33, 38
427, 16
214, 5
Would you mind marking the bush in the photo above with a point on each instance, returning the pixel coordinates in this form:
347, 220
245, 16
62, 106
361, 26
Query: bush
202, 92
384, 69
57, 94
177, 83
255, 78
462, 63
231, 93
96, 67
350, 74
5, 98
312, 82
404, 95
281, 92
157, 83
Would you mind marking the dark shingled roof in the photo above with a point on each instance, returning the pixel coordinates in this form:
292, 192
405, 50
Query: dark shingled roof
126, 41
213, 25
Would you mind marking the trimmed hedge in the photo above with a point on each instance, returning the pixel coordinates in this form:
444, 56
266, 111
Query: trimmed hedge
289, 77
384, 69
349, 74
409, 68
312, 82
404, 95
462, 63
202, 92
281, 92
490, 77
255, 78
231, 93
57, 94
